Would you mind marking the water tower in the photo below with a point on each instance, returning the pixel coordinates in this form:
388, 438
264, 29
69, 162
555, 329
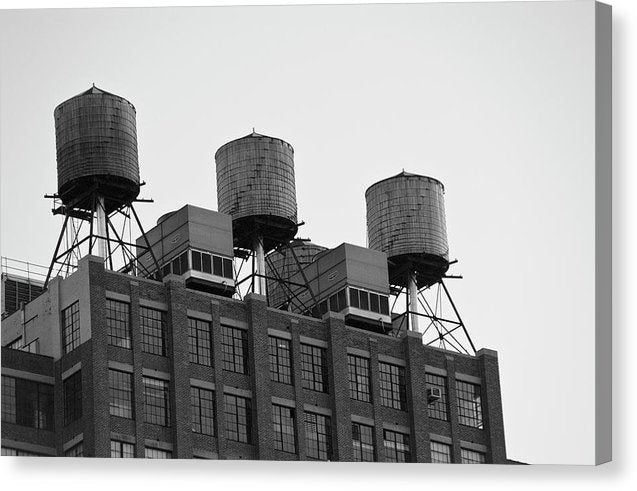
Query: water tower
98, 179
255, 185
406, 220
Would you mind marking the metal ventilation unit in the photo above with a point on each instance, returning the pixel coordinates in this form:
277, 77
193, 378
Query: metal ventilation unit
98, 179
406, 220
194, 244
350, 280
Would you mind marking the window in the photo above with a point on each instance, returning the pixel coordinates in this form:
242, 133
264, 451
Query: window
358, 378
14, 452
373, 302
234, 349
314, 367
199, 342
238, 418
120, 388
202, 410
283, 422
122, 450
437, 409
27, 403
280, 366
440, 453
15, 344
469, 404
157, 453
396, 446
32, 347
156, 402
75, 450
472, 456
392, 386
317, 436
72, 398
363, 442
153, 326
118, 323
180, 264
71, 327
211, 264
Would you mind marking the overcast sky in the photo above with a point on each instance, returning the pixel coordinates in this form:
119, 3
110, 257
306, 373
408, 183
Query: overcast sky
495, 100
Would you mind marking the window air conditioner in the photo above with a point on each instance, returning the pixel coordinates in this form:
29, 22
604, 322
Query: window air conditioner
433, 394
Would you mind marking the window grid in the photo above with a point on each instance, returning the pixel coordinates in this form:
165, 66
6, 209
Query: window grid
153, 327
118, 323
157, 453
472, 456
469, 404
438, 409
280, 363
199, 334
440, 453
314, 368
75, 450
72, 398
71, 327
14, 452
363, 442
9, 400
202, 410
396, 446
234, 349
318, 436
238, 418
120, 388
283, 423
122, 450
358, 378
392, 386
27, 403
156, 398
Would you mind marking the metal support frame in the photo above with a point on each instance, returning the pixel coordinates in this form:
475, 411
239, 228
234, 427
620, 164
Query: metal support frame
105, 236
257, 276
440, 321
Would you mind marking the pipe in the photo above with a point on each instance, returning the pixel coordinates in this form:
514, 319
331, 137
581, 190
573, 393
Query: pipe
260, 272
413, 301
101, 227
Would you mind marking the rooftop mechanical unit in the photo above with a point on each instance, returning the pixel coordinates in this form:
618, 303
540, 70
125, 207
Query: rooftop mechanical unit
350, 280
195, 244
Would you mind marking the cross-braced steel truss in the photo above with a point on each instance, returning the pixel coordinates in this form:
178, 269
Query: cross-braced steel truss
80, 236
436, 315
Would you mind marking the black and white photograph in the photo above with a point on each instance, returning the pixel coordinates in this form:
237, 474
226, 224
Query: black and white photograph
375, 233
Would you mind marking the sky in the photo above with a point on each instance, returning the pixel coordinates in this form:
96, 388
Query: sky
495, 100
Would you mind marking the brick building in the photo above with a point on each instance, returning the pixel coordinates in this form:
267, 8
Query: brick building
129, 366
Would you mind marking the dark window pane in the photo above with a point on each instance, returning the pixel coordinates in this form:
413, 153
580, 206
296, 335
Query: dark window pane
342, 300
280, 362
364, 300
333, 303
196, 260
183, 262
217, 266
206, 261
384, 305
227, 268
72, 388
374, 306
353, 297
